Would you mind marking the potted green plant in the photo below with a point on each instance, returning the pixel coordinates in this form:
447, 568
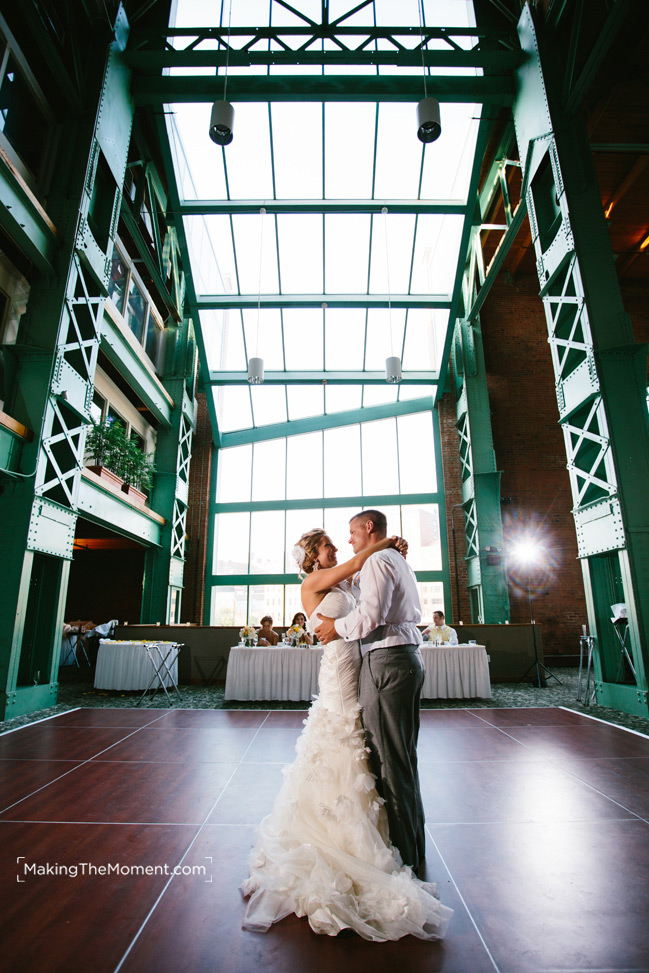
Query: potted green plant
101, 446
136, 470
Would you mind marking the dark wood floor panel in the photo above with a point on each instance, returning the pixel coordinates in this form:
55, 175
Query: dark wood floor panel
48, 741
535, 823
571, 744
55, 923
555, 897
450, 717
249, 796
19, 778
625, 780
105, 716
163, 793
449, 744
287, 717
184, 744
207, 718
207, 936
543, 716
273, 744
511, 791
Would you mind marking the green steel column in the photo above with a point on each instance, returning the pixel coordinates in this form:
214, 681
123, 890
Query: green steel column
164, 566
487, 579
50, 385
600, 371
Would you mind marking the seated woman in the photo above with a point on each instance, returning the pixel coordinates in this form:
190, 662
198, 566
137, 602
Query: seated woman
266, 635
300, 619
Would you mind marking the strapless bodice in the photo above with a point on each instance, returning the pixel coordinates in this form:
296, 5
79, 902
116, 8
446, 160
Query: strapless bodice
341, 661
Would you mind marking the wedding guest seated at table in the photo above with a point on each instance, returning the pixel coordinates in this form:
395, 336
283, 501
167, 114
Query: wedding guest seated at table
266, 635
300, 619
440, 630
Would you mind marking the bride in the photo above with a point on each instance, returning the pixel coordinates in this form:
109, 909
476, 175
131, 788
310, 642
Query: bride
324, 851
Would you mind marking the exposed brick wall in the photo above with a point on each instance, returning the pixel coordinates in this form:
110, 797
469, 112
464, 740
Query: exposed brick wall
530, 451
198, 517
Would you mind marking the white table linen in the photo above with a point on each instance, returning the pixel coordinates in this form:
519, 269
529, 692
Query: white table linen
272, 672
126, 665
452, 672
456, 672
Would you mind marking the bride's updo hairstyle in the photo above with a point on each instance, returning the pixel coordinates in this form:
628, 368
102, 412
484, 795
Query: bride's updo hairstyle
305, 551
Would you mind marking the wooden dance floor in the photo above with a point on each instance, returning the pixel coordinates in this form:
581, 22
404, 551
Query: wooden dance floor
538, 835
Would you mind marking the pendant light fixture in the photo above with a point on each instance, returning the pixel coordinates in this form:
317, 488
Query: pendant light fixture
256, 365
222, 118
393, 362
429, 127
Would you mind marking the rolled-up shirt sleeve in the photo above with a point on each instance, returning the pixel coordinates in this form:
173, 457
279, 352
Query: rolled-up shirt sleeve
377, 584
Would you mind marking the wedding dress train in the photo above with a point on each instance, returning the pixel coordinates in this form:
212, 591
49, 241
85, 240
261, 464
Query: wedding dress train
324, 851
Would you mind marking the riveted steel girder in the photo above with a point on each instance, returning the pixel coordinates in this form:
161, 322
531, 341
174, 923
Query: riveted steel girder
330, 87
600, 372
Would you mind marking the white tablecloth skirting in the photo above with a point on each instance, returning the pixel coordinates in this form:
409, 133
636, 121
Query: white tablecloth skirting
456, 672
272, 673
126, 665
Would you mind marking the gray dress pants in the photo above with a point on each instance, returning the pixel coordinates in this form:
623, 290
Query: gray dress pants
390, 686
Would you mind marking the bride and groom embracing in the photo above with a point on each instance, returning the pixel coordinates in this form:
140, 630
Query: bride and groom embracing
346, 833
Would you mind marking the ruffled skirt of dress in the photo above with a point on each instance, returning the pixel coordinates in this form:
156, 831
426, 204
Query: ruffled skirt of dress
324, 853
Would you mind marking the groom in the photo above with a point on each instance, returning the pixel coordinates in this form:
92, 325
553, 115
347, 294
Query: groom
392, 675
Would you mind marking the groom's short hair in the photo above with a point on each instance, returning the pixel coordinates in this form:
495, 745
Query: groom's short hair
379, 520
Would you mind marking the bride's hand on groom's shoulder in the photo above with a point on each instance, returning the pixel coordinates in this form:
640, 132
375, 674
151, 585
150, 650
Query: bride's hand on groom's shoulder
400, 544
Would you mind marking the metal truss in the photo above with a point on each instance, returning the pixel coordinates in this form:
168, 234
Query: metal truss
600, 372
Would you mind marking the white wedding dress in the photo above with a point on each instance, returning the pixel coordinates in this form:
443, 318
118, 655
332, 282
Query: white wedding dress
324, 852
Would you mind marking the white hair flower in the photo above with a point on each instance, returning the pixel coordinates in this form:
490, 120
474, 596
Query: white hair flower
299, 554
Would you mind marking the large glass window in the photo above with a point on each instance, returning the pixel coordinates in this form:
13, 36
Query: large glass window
321, 479
130, 298
26, 121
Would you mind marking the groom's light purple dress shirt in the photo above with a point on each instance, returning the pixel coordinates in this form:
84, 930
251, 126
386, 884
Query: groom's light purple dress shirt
389, 609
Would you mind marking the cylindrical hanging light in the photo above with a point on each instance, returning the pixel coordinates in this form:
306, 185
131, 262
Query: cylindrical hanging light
393, 370
429, 126
222, 122
255, 371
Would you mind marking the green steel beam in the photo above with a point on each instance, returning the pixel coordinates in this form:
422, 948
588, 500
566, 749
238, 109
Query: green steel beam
498, 259
148, 259
247, 302
152, 62
328, 87
456, 307
237, 207
315, 423
633, 148
248, 580
104, 508
443, 525
330, 503
118, 350
25, 222
321, 378
598, 50
190, 294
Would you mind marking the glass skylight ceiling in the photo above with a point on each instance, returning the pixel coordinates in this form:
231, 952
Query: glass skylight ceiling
324, 285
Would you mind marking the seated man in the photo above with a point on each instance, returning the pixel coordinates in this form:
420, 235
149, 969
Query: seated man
439, 630
266, 635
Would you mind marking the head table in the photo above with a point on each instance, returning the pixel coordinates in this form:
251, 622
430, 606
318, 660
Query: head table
280, 672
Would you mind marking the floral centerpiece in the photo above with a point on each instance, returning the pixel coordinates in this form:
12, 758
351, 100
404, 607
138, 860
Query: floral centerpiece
248, 635
294, 634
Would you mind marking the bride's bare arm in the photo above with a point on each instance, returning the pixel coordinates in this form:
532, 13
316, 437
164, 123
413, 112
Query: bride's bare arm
325, 578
